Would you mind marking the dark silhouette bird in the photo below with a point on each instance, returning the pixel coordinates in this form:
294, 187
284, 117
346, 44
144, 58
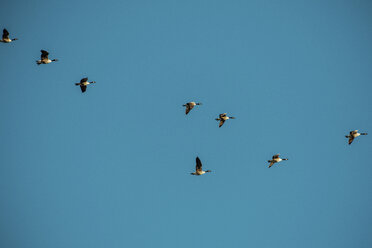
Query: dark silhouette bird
44, 58
190, 105
353, 134
223, 117
84, 83
198, 168
276, 159
5, 38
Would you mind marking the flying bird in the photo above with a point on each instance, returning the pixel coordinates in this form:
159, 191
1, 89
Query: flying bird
5, 38
353, 135
199, 170
275, 159
190, 105
84, 83
223, 117
44, 58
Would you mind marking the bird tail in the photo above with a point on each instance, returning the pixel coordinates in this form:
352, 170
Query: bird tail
77, 83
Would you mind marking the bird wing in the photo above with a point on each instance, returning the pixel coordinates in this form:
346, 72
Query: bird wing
276, 156
271, 163
44, 54
198, 164
222, 121
222, 115
84, 80
5, 34
351, 138
188, 108
83, 88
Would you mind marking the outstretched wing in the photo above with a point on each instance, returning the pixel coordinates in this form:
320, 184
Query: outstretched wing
276, 156
44, 54
351, 138
221, 122
271, 163
84, 80
198, 164
188, 107
83, 88
5, 34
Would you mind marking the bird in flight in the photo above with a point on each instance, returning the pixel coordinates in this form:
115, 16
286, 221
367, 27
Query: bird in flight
190, 105
275, 159
84, 83
198, 168
5, 38
353, 135
223, 117
44, 58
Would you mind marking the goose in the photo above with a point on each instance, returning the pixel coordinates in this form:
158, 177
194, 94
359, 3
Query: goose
44, 58
276, 159
6, 38
353, 135
190, 105
84, 83
198, 170
223, 117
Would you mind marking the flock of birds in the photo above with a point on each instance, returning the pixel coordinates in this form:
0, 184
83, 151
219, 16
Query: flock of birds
44, 59
275, 159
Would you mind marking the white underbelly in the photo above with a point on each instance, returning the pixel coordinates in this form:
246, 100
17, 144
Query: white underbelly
46, 61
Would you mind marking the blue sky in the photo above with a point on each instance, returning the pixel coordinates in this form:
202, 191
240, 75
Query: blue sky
110, 167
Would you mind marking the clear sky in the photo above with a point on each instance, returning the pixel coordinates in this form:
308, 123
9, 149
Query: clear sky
111, 167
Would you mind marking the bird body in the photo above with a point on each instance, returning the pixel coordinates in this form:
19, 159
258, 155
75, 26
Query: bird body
222, 118
44, 59
190, 105
84, 83
352, 135
199, 168
198, 173
5, 38
276, 159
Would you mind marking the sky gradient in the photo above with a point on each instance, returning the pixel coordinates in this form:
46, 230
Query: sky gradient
111, 167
